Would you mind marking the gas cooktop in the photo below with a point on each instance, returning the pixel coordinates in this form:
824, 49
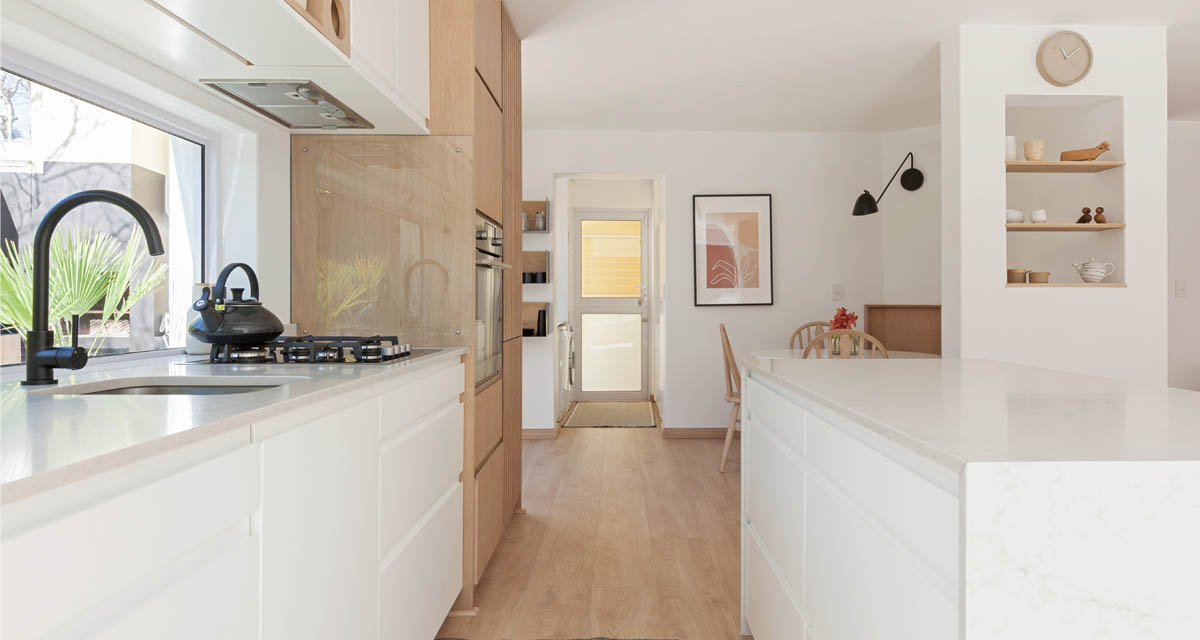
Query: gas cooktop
315, 350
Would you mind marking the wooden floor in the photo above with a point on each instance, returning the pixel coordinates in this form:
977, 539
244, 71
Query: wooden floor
625, 535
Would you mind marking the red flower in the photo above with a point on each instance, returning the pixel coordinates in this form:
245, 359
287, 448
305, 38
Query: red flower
843, 319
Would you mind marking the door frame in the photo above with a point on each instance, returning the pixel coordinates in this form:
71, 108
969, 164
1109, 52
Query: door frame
577, 307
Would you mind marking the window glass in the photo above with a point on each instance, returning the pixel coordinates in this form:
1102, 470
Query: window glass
55, 145
611, 258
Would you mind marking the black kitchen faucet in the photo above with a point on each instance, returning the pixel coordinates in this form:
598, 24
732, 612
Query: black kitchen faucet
41, 356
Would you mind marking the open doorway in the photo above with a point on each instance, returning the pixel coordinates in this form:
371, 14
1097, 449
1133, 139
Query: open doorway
613, 299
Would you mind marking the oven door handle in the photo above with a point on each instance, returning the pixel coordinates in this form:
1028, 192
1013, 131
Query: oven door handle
492, 265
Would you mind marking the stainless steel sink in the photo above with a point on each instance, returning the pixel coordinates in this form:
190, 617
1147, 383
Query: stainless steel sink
174, 386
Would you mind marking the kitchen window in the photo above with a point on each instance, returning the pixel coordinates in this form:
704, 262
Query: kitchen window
54, 145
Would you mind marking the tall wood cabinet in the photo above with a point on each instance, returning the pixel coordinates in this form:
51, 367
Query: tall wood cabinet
475, 91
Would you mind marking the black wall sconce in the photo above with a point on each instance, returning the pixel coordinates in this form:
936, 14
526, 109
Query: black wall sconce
911, 179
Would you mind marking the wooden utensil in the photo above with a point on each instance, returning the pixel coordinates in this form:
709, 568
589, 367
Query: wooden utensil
1079, 155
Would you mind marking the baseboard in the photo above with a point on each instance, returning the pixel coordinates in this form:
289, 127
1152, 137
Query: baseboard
539, 434
696, 432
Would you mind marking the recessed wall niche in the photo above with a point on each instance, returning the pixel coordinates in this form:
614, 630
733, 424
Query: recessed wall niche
1063, 189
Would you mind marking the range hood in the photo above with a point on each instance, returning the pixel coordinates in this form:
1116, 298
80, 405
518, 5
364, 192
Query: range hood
296, 104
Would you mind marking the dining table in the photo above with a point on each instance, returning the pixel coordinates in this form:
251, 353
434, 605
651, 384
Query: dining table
796, 354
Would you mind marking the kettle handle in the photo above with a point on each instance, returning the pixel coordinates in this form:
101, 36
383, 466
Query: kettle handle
219, 288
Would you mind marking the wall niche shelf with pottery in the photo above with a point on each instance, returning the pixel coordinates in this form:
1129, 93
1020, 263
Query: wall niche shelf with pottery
1046, 226
1074, 285
1059, 154
1082, 166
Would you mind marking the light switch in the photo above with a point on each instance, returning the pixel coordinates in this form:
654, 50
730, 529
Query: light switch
1181, 288
839, 291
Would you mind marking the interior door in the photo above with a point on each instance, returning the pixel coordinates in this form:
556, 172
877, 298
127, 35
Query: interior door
609, 275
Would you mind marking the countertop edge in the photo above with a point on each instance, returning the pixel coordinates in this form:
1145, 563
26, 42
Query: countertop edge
37, 484
943, 460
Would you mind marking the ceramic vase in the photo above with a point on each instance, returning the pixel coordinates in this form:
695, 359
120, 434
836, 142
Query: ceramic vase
1010, 148
1035, 150
1038, 215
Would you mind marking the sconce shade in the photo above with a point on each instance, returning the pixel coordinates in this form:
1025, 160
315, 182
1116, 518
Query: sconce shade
911, 179
865, 205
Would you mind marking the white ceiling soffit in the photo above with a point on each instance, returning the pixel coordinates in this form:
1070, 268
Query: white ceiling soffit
780, 65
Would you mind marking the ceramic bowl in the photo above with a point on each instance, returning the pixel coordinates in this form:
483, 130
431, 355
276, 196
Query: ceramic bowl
1013, 215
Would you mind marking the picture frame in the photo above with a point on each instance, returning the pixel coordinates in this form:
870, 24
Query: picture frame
732, 250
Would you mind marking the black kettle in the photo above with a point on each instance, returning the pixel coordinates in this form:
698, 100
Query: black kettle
235, 320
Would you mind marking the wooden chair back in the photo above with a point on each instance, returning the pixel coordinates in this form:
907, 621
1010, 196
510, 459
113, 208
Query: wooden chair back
805, 334
824, 344
733, 380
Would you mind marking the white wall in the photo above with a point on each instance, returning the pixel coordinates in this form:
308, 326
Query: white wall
251, 155
1082, 330
1184, 260
813, 179
912, 220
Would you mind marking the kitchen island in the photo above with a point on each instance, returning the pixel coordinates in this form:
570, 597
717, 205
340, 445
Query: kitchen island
966, 499
325, 503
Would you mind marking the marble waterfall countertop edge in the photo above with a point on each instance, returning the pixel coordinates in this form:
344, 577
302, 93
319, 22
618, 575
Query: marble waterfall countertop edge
48, 441
955, 412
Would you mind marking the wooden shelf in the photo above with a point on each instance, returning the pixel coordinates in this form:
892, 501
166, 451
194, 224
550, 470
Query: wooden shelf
529, 319
529, 211
1046, 226
1088, 166
1079, 285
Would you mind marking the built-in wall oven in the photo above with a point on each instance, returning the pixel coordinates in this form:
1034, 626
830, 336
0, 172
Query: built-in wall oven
489, 298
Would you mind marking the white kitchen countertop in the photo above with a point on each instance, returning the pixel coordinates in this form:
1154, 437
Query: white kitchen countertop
47, 441
959, 411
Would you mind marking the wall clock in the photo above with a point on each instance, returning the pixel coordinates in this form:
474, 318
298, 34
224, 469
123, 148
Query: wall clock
1064, 58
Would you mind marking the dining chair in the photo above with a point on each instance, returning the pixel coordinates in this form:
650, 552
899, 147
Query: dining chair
733, 391
806, 333
824, 344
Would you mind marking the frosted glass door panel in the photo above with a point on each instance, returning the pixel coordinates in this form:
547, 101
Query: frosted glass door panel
610, 258
611, 349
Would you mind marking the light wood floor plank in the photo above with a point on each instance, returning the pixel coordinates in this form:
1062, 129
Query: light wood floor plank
625, 535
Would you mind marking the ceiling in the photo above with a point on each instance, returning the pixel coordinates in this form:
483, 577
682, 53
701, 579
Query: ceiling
780, 65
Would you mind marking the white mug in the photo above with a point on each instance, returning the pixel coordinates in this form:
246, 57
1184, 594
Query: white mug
1038, 215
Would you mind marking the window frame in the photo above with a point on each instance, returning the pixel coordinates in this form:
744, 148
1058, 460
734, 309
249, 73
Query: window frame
122, 104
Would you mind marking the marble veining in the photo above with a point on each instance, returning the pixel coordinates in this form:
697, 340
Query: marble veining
44, 434
958, 411
1082, 550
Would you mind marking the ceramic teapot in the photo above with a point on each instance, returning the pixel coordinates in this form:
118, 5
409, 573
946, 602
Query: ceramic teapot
1093, 270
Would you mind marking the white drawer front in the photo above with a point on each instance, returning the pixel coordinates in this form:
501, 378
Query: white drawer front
775, 504
858, 587
769, 610
419, 583
211, 595
416, 467
770, 411
922, 516
56, 572
417, 398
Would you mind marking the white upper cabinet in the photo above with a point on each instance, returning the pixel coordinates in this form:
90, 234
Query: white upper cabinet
383, 73
389, 43
265, 32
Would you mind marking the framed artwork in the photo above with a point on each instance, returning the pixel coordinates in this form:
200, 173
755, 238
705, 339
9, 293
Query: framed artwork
731, 244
